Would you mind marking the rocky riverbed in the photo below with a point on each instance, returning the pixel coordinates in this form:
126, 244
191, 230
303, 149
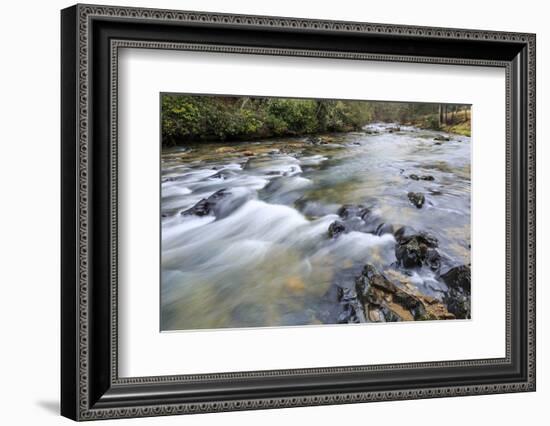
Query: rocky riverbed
370, 226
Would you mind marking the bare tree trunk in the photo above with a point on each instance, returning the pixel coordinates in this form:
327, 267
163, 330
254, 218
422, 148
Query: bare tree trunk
440, 115
244, 102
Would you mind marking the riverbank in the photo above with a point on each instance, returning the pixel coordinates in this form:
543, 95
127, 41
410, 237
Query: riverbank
458, 123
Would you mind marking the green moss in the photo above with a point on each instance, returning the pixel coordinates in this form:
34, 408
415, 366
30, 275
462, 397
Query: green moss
463, 128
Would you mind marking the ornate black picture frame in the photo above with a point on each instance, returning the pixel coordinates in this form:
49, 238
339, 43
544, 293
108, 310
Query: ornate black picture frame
91, 36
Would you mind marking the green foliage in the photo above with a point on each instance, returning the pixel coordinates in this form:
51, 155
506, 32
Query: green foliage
432, 122
220, 118
291, 116
204, 118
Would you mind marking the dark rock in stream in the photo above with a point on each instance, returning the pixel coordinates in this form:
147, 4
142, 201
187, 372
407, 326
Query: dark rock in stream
319, 140
357, 217
223, 174
336, 228
385, 301
350, 210
205, 206
352, 309
384, 228
441, 138
422, 177
414, 249
221, 203
458, 279
417, 198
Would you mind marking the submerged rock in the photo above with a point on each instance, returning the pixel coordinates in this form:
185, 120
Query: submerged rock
417, 198
320, 140
225, 149
442, 138
223, 174
414, 249
336, 228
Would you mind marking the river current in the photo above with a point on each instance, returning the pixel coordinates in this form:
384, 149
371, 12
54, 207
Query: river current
263, 255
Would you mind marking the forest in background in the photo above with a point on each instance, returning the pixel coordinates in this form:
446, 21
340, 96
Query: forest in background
229, 118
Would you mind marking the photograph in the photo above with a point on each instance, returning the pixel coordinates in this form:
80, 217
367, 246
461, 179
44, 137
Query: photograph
293, 212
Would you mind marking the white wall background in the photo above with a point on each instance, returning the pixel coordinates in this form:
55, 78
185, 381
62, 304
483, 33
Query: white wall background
29, 213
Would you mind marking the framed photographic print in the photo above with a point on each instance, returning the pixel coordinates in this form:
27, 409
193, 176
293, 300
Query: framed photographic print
263, 212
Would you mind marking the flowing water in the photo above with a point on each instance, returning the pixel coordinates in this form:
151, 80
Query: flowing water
263, 256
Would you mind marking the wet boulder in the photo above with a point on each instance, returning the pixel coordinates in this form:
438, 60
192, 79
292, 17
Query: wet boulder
357, 217
206, 206
442, 138
405, 233
386, 301
384, 228
220, 204
415, 249
348, 211
417, 199
336, 228
458, 298
352, 309
421, 177
459, 304
458, 277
